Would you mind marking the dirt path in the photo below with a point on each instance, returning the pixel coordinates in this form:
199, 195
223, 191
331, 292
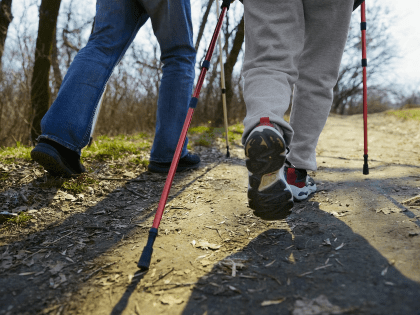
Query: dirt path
353, 247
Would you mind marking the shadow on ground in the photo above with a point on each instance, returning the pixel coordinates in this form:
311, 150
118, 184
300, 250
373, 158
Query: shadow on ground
287, 268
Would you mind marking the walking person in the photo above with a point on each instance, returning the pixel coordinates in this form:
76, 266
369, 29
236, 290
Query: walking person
288, 43
67, 126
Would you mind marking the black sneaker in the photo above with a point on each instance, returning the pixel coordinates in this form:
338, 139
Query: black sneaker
188, 162
57, 159
301, 184
269, 195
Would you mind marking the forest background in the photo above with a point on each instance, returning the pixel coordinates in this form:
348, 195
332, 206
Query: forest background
32, 44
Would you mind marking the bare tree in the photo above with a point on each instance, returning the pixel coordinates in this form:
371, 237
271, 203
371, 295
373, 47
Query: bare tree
203, 24
6, 18
40, 90
380, 53
231, 60
55, 63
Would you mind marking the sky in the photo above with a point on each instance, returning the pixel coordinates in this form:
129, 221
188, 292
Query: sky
405, 30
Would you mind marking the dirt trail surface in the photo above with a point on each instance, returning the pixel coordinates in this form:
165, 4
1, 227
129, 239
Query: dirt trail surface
352, 248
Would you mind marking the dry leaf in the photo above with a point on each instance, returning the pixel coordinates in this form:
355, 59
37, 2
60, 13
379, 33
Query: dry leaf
27, 273
269, 264
273, 302
54, 269
129, 174
206, 245
388, 210
339, 247
170, 300
233, 289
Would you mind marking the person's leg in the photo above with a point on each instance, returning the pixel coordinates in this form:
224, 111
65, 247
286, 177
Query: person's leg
69, 120
274, 37
326, 28
171, 20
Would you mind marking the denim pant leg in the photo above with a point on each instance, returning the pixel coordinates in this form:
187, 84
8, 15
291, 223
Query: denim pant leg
171, 20
69, 119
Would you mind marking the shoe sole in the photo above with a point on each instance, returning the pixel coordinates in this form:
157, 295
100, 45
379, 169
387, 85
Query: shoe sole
268, 192
51, 160
302, 193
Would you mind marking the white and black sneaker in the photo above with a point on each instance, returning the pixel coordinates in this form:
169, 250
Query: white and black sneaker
301, 184
269, 195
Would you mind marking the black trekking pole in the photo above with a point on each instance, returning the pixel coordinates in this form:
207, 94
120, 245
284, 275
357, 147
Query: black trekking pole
146, 255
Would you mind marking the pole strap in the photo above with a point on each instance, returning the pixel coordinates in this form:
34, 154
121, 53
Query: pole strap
223, 91
363, 26
364, 62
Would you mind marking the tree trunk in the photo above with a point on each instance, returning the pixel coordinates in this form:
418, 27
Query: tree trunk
40, 93
55, 65
6, 18
203, 24
230, 63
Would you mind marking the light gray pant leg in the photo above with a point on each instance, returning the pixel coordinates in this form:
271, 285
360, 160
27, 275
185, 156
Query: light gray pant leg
326, 28
274, 37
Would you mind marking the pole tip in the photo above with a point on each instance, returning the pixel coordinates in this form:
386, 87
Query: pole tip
365, 169
227, 152
145, 258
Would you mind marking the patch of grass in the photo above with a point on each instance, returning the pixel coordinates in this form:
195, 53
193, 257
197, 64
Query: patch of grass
199, 130
21, 219
235, 132
412, 113
79, 184
20, 151
105, 147
208, 134
203, 142
139, 161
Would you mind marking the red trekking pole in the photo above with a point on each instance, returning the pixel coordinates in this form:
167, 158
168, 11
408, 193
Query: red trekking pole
364, 65
146, 255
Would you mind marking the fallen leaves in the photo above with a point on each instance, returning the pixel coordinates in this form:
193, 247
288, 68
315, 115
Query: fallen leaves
415, 201
388, 210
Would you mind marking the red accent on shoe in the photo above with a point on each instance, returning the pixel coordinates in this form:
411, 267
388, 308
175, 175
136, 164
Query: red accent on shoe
265, 121
291, 178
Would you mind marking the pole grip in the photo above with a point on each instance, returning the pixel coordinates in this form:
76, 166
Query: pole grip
146, 255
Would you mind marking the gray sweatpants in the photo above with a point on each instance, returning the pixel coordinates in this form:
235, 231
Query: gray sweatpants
290, 42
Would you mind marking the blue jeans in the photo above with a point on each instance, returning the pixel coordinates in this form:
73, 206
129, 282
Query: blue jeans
69, 121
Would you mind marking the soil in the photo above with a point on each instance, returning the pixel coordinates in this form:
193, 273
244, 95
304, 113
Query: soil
352, 248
